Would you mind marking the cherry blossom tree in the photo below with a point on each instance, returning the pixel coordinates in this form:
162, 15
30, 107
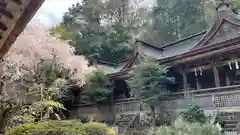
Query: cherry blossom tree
19, 75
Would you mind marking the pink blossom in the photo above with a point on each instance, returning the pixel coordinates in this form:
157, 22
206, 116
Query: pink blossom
35, 43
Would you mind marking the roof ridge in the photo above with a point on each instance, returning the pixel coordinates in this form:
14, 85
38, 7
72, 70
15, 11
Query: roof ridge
221, 17
174, 42
106, 62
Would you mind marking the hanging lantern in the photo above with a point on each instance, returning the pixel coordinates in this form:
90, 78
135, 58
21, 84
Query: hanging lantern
237, 66
230, 66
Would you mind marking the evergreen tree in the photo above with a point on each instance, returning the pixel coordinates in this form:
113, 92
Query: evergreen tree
149, 81
175, 19
100, 29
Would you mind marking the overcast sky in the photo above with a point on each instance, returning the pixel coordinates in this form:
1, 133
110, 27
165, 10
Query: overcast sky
52, 11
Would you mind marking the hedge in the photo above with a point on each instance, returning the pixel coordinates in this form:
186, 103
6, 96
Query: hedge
61, 128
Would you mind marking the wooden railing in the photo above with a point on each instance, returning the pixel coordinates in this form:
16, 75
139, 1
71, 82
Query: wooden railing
126, 105
212, 98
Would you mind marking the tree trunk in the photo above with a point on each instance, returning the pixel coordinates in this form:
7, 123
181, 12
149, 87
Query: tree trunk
153, 119
1, 125
3, 121
153, 116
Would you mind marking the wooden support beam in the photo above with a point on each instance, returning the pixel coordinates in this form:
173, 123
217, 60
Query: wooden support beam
227, 79
21, 20
206, 67
198, 83
185, 83
216, 76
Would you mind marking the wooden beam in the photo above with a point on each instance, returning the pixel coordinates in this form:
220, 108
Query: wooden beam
185, 83
206, 67
200, 67
227, 79
218, 48
21, 23
198, 83
216, 76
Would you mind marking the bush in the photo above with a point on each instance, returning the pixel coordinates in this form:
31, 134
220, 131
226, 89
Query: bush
48, 128
98, 87
194, 114
181, 127
93, 128
61, 128
149, 81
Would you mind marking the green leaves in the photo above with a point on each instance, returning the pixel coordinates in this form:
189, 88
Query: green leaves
97, 29
149, 80
175, 19
194, 114
236, 5
181, 127
98, 87
69, 127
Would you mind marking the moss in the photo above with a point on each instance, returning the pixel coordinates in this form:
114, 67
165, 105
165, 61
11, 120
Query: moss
61, 128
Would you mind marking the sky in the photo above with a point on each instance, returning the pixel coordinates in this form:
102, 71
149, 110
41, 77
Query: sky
51, 12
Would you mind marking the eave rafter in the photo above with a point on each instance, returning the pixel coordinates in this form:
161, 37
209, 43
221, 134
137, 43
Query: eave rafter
14, 16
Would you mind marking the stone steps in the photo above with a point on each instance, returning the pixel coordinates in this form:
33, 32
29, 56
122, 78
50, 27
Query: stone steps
123, 120
229, 120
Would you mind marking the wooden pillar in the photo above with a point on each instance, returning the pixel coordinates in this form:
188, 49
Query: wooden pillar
185, 83
227, 79
216, 76
198, 83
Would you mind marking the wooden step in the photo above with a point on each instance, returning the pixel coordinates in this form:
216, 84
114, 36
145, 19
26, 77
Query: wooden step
229, 125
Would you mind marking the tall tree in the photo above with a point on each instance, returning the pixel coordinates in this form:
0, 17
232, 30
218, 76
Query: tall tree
148, 81
174, 19
236, 5
100, 30
22, 75
210, 9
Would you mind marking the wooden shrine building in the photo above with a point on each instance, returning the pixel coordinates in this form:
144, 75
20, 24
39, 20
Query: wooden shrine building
206, 66
207, 59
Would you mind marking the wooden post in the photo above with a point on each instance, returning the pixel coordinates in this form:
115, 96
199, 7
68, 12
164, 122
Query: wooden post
185, 83
227, 79
198, 83
216, 76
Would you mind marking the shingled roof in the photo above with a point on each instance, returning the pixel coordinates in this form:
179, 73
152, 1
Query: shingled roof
14, 16
224, 35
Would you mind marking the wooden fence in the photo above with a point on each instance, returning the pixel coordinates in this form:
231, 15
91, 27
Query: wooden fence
211, 99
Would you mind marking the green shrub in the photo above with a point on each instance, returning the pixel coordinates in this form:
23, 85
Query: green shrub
98, 87
83, 119
194, 114
49, 128
93, 128
61, 128
181, 127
